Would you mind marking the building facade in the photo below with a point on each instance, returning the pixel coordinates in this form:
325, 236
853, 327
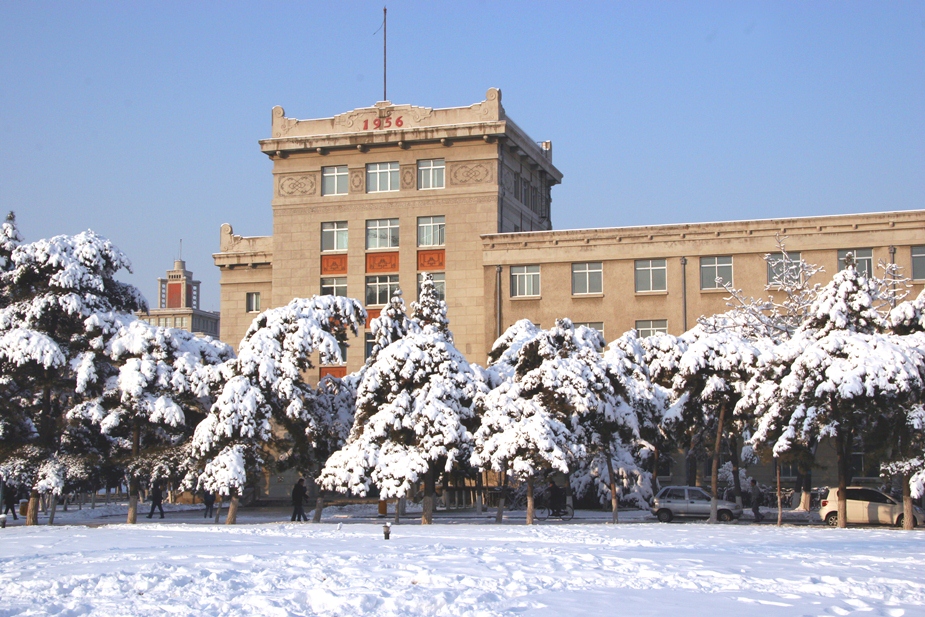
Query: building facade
178, 304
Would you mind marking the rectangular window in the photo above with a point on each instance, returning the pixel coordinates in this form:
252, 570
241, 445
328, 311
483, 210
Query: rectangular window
651, 275
439, 284
594, 325
648, 327
587, 278
431, 230
380, 289
430, 174
334, 236
778, 273
334, 286
382, 234
713, 268
252, 302
863, 257
525, 281
381, 177
370, 342
918, 262
334, 180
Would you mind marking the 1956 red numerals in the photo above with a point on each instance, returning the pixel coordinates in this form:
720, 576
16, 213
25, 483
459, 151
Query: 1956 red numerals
383, 123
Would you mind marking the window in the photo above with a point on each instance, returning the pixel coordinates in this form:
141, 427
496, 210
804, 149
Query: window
162, 322
334, 180
712, 268
525, 281
430, 174
382, 234
431, 230
370, 342
664, 465
594, 325
788, 470
864, 258
380, 289
587, 278
334, 236
778, 268
918, 262
648, 327
439, 284
334, 286
651, 275
252, 302
381, 177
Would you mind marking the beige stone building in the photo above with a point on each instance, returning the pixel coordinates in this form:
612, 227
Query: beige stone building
369, 200
178, 304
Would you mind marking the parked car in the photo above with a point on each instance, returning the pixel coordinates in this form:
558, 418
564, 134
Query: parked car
867, 506
692, 502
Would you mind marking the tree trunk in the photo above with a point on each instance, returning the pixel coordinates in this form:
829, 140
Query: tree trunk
908, 516
427, 516
655, 457
780, 508
54, 506
478, 493
319, 507
232, 517
446, 491
32, 514
614, 501
218, 510
714, 475
133, 487
841, 450
530, 503
399, 506
499, 516
736, 482
93, 499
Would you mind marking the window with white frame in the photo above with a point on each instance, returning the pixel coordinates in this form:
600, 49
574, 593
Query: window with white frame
252, 301
439, 283
370, 343
334, 180
380, 289
334, 286
334, 236
715, 272
918, 263
587, 278
651, 275
863, 259
594, 325
382, 234
648, 327
431, 230
381, 177
431, 174
783, 271
525, 281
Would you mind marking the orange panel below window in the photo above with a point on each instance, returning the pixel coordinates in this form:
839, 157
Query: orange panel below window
371, 314
382, 262
333, 264
333, 371
432, 260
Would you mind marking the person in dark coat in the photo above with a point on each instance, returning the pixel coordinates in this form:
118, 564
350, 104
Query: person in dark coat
157, 500
10, 500
298, 495
208, 498
756, 501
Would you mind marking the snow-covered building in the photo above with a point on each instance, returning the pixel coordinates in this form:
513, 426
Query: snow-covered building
178, 304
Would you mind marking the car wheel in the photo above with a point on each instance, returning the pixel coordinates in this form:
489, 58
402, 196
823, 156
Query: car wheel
664, 516
831, 519
901, 518
725, 516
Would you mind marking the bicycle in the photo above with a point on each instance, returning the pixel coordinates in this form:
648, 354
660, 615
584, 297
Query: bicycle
543, 511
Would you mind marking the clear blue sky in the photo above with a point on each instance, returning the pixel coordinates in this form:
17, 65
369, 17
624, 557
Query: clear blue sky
140, 120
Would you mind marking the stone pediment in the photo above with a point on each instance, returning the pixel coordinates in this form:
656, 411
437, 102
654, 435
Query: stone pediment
384, 117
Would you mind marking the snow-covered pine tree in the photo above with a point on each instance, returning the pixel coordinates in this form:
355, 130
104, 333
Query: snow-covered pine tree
392, 324
840, 376
531, 422
264, 386
54, 291
413, 404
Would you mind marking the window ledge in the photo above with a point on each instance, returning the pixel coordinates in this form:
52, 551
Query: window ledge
578, 296
653, 293
522, 298
433, 188
714, 291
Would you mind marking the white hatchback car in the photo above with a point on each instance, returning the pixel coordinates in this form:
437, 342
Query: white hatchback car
867, 506
690, 502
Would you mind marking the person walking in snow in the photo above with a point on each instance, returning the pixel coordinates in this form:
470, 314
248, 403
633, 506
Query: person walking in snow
10, 500
157, 500
298, 495
756, 501
208, 498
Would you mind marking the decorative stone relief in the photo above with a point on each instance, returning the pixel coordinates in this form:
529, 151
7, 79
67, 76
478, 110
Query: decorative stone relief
357, 181
420, 113
382, 262
397, 204
432, 260
407, 177
333, 264
347, 120
292, 186
470, 173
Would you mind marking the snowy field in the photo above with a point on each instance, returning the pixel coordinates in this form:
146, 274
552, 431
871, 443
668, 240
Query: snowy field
347, 568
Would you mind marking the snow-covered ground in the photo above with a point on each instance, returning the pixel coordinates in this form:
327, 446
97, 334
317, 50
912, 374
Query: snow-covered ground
347, 568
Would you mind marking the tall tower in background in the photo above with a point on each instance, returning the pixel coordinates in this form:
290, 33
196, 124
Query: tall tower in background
178, 304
